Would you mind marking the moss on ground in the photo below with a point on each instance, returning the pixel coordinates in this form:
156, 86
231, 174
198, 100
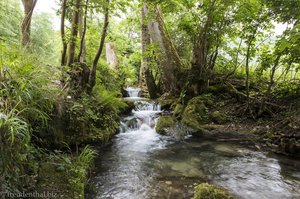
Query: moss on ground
207, 191
219, 117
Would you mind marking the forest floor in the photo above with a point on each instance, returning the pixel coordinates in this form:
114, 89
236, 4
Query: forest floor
279, 132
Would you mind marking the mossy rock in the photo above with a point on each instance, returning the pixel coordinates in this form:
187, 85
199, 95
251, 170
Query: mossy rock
219, 117
195, 114
207, 191
128, 108
179, 108
163, 123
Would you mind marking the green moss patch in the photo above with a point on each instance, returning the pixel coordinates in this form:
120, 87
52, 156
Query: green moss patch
163, 123
195, 114
219, 117
207, 191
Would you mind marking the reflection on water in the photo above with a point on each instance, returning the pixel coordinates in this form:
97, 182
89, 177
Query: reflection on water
141, 164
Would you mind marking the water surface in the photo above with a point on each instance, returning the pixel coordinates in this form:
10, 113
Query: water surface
141, 164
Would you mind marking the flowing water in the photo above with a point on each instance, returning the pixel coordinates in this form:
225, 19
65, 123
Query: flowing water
141, 164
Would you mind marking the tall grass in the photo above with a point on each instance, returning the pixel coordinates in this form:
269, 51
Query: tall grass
14, 149
26, 102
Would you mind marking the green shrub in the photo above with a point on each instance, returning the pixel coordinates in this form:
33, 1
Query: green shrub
91, 119
66, 174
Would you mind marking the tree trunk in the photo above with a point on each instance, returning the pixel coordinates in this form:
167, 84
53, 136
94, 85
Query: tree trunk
62, 31
26, 23
100, 49
82, 50
167, 55
111, 56
145, 72
248, 56
201, 66
74, 33
270, 86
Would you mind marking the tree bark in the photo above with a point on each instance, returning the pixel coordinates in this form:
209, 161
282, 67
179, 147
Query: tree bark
169, 60
202, 62
270, 86
248, 56
100, 49
74, 33
145, 71
111, 56
62, 31
82, 51
29, 6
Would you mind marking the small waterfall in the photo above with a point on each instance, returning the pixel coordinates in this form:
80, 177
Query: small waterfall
143, 116
133, 92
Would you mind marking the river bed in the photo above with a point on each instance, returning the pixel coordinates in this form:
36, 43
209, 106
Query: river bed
141, 164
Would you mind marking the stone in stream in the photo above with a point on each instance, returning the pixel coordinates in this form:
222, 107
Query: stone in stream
207, 191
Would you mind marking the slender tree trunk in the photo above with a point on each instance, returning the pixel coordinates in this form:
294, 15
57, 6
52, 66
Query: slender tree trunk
272, 74
111, 55
247, 72
236, 65
62, 31
82, 54
100, 49
248, 56
26, 23
203, 62
270, 86
145, 70
74, 33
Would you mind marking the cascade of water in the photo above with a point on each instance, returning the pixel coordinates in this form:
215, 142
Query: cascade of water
144, 114
133, 92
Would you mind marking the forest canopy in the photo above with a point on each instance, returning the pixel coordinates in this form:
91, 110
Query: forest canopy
62, 86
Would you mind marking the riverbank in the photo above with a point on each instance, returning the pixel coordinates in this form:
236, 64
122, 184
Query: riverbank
220, 114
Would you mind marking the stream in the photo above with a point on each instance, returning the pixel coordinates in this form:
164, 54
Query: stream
141, 164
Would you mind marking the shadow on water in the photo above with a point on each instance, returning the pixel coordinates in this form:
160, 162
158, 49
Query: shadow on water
141, 164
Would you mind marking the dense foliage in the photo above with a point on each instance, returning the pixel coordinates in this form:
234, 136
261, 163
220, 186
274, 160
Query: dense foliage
60, 91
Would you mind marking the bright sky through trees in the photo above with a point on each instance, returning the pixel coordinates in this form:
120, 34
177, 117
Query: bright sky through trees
50, 6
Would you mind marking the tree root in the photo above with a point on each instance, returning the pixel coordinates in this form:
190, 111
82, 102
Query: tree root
257, 106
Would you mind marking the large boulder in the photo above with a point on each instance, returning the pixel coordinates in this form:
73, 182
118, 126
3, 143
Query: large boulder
163, 123
207, 191
178, 109
195, 114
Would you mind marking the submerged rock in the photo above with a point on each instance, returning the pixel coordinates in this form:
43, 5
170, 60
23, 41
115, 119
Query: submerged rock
128, 108
163, 123
207, 191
